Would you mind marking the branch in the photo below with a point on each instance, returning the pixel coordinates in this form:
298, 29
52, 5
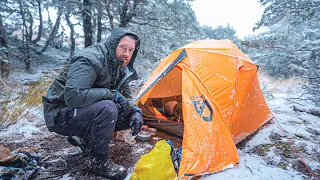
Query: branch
7, 17
148, 13
135, 3
123, 14
275, 47
35, 50
313, 111
103, 4
53, 31
110, 16
106, 28
87, 13
294, 102
146, 23
153, 19
75, 2
77, 24
5, 83
296, 9
146, 16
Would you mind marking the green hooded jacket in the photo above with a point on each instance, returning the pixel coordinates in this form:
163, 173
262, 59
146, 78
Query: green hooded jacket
90, 76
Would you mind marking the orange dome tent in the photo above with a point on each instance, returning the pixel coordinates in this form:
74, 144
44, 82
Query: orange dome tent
222, 102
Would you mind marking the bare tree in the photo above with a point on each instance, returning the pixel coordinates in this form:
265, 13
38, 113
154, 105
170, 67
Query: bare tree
54, 30
24, 23
25, 35
40, 23
3, 37
126, 15
94, 24
4, 63
99, 23
110, 16
87, 24
30, 21
72, 39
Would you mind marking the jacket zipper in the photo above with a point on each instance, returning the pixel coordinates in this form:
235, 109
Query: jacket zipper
127, 76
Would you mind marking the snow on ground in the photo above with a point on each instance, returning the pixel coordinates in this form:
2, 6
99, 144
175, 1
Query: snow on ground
253, 167
25, 128
48, 60
277, 159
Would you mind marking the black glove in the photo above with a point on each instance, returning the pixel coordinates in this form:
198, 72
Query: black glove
136, 122
122, 103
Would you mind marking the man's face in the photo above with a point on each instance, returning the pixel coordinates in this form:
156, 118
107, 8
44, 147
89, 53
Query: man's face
125, 49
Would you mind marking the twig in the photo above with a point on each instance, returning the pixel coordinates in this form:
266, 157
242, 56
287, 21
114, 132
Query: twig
5, 83
289, 99
313, 111
46, 158
147, 23
7, 16
250, 170
299, 98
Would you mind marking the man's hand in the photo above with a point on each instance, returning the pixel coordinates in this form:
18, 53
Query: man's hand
122, 103
136, 122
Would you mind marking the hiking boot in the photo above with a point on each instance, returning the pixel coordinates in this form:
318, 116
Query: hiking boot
80, 142
108, 169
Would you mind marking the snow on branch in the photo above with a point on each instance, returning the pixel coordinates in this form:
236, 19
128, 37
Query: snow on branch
313, 111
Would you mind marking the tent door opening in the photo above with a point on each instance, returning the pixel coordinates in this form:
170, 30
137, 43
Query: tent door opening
163, 106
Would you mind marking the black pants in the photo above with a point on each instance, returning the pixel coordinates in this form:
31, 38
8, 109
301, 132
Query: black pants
97, 122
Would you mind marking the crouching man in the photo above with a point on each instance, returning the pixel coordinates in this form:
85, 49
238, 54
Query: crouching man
90, 99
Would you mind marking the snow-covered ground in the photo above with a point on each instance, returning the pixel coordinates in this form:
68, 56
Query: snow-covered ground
51, 59
267, 155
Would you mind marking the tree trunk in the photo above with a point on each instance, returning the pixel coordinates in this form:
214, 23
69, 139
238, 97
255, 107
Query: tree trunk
94, 28
3, 37
30, 19
99, 26
41, 23
26, 58
49, 19
25, 43
313, 111
87, 25
4, 64
110, 15
72, 39
25, 28
53, 32
124, 14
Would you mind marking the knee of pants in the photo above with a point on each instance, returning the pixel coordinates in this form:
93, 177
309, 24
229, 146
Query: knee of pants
108, 107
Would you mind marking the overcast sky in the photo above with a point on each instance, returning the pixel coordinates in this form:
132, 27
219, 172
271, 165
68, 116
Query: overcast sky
241, 14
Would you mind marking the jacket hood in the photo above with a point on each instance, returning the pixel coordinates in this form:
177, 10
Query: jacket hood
113, 41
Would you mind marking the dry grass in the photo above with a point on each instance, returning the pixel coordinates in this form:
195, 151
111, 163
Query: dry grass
270, 85
266, 79
37, 90
10, 112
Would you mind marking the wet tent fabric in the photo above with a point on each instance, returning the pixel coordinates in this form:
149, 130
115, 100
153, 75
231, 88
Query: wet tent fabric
222, 101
